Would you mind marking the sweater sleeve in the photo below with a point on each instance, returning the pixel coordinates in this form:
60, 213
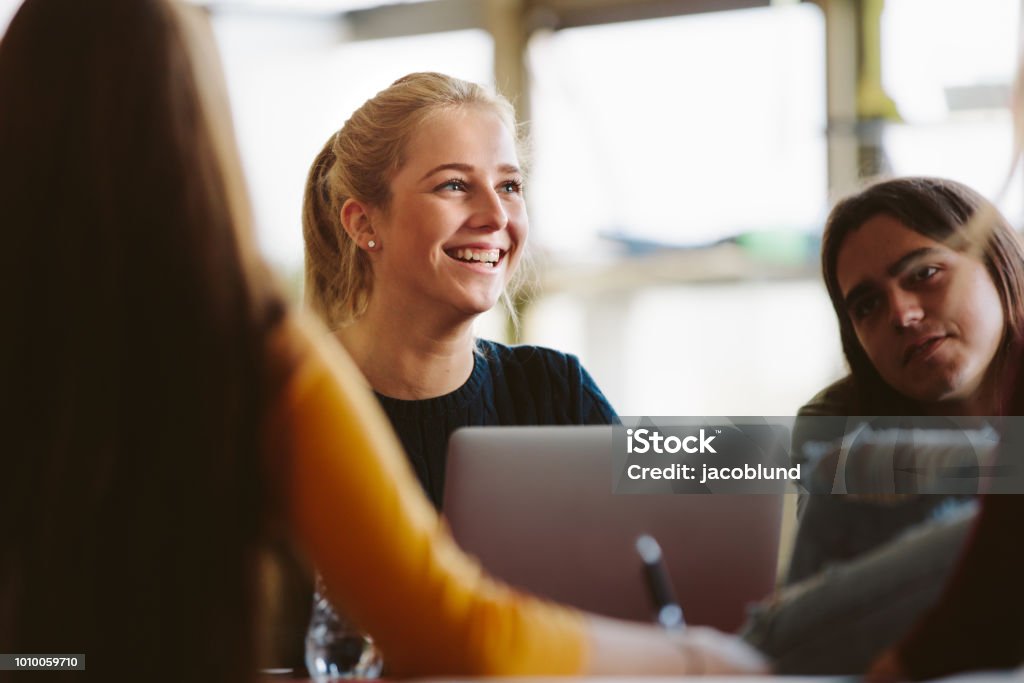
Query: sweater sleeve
385, 556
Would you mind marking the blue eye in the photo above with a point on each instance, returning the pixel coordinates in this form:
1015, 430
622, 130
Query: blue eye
512, 186
454, 184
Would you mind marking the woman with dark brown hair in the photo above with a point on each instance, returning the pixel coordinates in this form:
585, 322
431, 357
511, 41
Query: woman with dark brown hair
134, 374
167, 416
977, 623
926, 279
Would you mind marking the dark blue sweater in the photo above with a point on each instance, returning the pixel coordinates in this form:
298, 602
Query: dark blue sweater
509, 385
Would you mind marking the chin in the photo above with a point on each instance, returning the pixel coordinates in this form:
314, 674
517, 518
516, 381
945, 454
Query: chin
950, 381
475, 308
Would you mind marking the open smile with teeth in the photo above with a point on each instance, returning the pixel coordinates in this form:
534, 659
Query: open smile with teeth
486, 257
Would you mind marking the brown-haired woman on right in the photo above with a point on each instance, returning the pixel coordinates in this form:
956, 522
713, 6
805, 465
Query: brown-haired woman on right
930, 316
930, 311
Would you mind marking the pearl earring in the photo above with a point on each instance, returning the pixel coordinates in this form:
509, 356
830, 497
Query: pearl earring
371, 244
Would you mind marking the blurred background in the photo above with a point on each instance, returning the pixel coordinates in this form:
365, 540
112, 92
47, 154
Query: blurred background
684, 156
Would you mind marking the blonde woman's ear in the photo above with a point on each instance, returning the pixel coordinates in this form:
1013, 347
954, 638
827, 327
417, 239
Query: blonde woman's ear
355, 219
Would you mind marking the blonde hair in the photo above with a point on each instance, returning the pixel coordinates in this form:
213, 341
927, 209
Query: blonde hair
359, 162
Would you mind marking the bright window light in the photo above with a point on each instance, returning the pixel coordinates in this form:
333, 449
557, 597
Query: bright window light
682, 130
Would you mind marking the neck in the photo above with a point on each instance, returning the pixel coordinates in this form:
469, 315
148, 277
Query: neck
973, 406
407, 355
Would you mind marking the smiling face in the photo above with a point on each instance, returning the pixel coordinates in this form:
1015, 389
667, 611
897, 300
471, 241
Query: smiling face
928, 317
455, 226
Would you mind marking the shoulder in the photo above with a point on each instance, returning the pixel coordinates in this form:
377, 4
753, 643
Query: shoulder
838, 398
548, 378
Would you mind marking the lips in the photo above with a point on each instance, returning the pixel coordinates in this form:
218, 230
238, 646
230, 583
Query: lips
922, 347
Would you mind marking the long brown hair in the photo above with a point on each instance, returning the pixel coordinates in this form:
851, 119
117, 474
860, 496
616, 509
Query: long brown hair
132, 491
945, 211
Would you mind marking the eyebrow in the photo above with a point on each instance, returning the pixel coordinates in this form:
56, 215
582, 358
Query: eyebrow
468, 168
905, 262
895, 270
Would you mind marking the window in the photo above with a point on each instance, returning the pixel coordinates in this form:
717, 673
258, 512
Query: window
679, 132
682, 130
951, 84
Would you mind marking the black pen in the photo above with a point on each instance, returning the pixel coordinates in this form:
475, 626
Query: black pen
669, 614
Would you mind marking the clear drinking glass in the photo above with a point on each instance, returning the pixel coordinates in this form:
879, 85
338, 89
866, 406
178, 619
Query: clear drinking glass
335, 649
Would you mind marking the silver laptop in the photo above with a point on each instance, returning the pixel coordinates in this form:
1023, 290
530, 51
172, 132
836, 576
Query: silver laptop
535, 506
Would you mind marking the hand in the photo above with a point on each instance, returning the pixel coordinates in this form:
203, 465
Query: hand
621, 648
712, 652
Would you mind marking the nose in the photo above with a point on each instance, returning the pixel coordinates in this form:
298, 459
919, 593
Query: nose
905, 309
489, 211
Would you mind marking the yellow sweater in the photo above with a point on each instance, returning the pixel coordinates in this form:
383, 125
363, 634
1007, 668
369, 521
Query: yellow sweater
386, 557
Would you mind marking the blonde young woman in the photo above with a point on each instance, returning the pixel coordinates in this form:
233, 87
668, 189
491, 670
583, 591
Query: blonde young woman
166, 415
415, 224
